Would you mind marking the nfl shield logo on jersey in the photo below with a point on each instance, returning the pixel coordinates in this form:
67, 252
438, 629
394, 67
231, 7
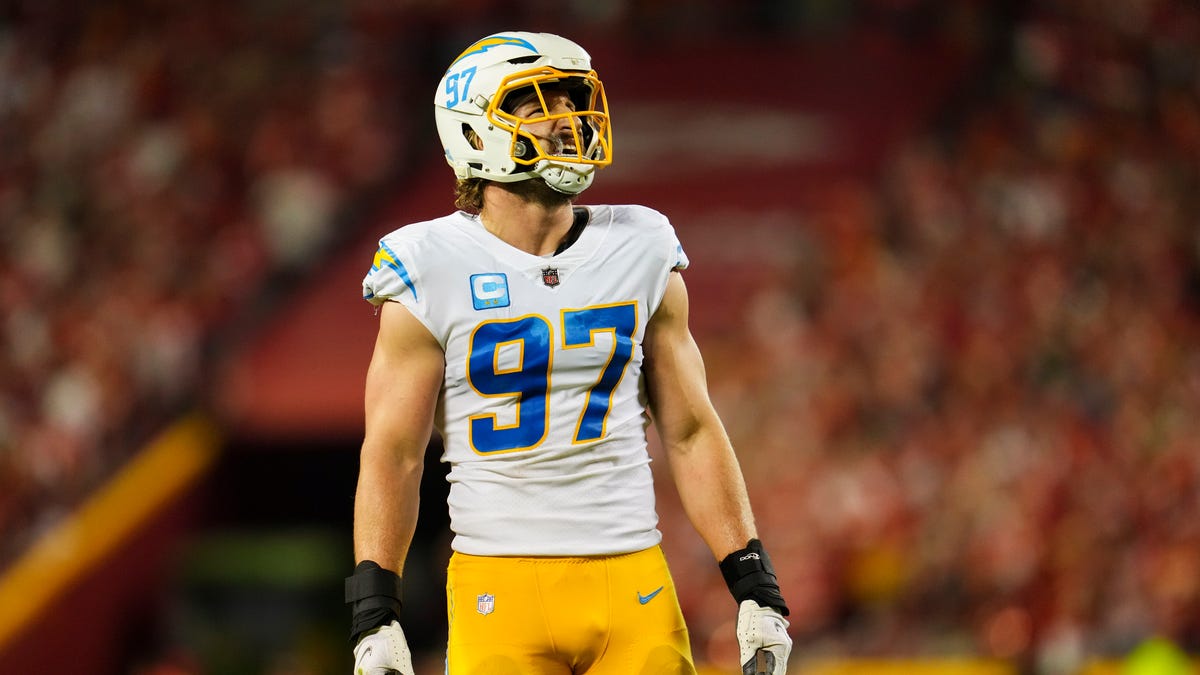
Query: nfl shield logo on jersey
485, 604
550, 276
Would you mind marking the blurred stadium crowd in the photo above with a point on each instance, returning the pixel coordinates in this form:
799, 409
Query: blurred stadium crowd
973, 406
159, 163
971, 415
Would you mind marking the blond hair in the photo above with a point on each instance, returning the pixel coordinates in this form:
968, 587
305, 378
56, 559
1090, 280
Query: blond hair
468, 194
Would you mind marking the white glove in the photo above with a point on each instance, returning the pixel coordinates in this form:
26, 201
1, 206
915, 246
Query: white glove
763, 639
383, 651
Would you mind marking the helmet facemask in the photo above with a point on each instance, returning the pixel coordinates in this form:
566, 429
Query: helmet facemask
588, 141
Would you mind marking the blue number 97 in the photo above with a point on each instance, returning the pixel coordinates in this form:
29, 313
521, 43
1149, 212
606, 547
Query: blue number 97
528, 343
458, 86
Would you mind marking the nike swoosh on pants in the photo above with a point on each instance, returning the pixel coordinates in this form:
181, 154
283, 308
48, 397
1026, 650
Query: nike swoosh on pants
643, 599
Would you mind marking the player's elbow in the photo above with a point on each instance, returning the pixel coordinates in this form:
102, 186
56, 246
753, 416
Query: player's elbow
692, 435
395, 459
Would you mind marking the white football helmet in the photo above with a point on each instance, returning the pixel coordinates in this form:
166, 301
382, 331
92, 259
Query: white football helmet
481, 136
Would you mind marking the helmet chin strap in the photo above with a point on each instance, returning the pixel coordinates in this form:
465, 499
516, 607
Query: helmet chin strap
565, 178
555, 174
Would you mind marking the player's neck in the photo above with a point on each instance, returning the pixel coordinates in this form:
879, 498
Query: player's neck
535, 224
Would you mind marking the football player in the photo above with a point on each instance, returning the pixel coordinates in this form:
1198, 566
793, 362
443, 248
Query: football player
541, 339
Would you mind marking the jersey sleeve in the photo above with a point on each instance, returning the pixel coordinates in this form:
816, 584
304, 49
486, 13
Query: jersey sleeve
389, 277
660, 234
668, 254
680, 258
676, 258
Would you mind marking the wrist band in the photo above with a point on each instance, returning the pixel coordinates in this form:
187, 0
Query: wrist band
373, 594
750, 576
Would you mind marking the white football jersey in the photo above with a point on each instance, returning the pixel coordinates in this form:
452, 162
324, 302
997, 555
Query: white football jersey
542, 409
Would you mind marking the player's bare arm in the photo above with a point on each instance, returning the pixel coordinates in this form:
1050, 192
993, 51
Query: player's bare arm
710, 482
405, 375
701, 457
402, 388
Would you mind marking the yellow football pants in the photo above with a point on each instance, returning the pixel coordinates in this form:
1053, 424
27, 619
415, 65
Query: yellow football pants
605, 615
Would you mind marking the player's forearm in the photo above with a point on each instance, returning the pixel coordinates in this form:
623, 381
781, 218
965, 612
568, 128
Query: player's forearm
385, 508
713, 491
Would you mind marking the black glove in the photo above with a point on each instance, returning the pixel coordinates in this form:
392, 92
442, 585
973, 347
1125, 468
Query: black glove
749, 575
373, 594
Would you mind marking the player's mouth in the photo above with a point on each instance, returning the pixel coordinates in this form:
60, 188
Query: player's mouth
563, 149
